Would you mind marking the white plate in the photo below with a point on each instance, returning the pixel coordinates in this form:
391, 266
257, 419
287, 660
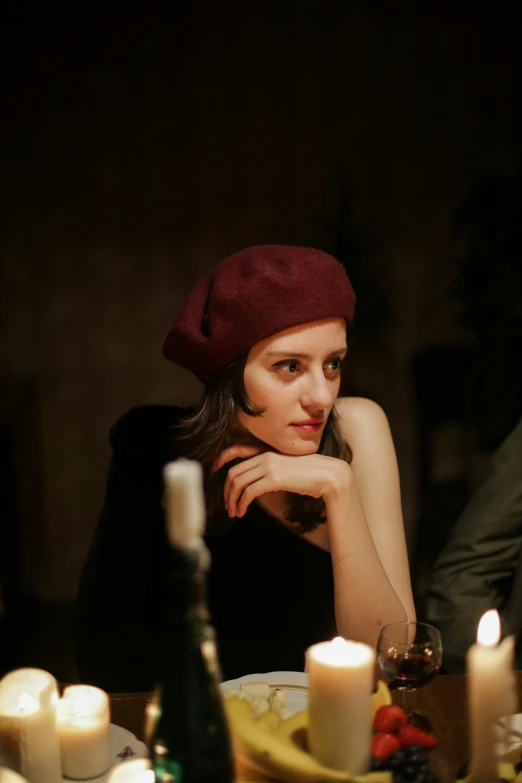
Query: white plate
124, 745
508, 733
294, 683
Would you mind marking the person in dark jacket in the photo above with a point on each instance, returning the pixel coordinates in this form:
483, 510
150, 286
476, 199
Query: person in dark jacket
480, 567
304, 520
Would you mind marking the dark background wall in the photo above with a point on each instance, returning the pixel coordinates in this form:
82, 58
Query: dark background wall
139, 147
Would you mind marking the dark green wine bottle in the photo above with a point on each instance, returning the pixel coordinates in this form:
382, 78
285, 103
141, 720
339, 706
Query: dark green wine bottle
189, 740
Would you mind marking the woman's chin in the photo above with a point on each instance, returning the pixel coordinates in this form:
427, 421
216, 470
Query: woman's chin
299, 449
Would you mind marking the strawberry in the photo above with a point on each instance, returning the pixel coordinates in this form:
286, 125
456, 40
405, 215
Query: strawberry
411, 735
389, 717
383, 745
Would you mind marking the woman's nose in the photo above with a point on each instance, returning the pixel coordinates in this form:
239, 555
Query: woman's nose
318, 393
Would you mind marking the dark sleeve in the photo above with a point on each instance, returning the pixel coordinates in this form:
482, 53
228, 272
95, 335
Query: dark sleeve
118, 635
477, 569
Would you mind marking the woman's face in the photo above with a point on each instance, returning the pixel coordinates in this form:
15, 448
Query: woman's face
294, 377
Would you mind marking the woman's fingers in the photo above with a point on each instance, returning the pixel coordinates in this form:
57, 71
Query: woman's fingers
235, 472
238, 486
235, 452
252, 492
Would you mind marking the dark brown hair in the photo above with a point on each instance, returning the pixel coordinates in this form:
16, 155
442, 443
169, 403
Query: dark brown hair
211, 428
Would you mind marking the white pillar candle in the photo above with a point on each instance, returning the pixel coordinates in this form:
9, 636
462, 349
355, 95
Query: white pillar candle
28, 731
8, 776
491, 694
132, 771
84, 730
341, 682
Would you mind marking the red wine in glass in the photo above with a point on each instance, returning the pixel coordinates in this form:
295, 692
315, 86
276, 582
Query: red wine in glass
409, 655
409, 671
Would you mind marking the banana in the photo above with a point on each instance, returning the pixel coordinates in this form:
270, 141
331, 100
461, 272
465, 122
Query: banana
246, 773
380, 697
269, 721
506, 771
295, 729
270, 755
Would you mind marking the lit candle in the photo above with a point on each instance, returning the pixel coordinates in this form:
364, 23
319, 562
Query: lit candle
132, 771
28, 731
84, 730
341, 682
491, 694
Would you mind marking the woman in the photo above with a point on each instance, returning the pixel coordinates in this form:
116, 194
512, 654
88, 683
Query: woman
304, 516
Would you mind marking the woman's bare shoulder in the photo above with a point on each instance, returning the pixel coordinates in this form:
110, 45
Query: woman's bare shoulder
363, 423
365, 428
359, 413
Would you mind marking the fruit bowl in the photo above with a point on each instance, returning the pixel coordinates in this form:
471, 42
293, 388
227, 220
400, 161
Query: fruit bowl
267, 749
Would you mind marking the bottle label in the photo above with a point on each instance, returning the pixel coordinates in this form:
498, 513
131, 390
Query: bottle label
172, 774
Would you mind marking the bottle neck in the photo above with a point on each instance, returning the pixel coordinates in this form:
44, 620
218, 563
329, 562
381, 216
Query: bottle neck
186, 585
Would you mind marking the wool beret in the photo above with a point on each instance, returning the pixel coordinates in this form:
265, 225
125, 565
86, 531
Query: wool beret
254, 294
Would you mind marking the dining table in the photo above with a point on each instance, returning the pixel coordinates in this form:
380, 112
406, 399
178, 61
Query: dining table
443, 702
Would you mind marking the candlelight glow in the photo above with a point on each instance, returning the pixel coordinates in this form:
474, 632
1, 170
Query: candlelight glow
152, 713
80, 701
147, 776
27, 703
132, 771
81, 704
340, 653
488, 633
336, 652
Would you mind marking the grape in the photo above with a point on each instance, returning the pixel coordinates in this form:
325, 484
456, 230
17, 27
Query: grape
395, 759
410, 765
414, 752
409, 771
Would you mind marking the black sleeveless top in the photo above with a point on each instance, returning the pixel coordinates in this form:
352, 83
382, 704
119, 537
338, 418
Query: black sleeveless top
270, 592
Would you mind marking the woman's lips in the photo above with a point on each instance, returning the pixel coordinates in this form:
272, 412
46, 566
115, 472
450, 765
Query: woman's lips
311, 427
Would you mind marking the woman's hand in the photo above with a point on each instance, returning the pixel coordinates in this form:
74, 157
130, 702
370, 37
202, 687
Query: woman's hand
268, 471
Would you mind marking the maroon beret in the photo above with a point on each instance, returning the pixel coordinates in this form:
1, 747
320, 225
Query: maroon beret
255, 294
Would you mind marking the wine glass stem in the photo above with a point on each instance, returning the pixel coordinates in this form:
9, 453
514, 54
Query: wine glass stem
406, 702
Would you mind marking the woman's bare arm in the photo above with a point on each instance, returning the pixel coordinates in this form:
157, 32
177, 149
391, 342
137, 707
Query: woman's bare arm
366, 530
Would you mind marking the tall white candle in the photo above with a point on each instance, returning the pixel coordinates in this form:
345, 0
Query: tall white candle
8, 776
184, 503
491, 694
84, 730
341, 681
28, 731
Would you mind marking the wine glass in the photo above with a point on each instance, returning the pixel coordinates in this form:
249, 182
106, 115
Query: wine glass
409, 656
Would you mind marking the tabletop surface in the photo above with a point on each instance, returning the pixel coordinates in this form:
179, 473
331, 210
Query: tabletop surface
443, 702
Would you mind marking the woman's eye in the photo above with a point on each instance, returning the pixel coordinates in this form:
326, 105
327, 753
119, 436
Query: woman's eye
289, 368
334, 365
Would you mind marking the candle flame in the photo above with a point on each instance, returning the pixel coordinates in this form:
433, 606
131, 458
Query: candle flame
27, 703
340, 652
488, 632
